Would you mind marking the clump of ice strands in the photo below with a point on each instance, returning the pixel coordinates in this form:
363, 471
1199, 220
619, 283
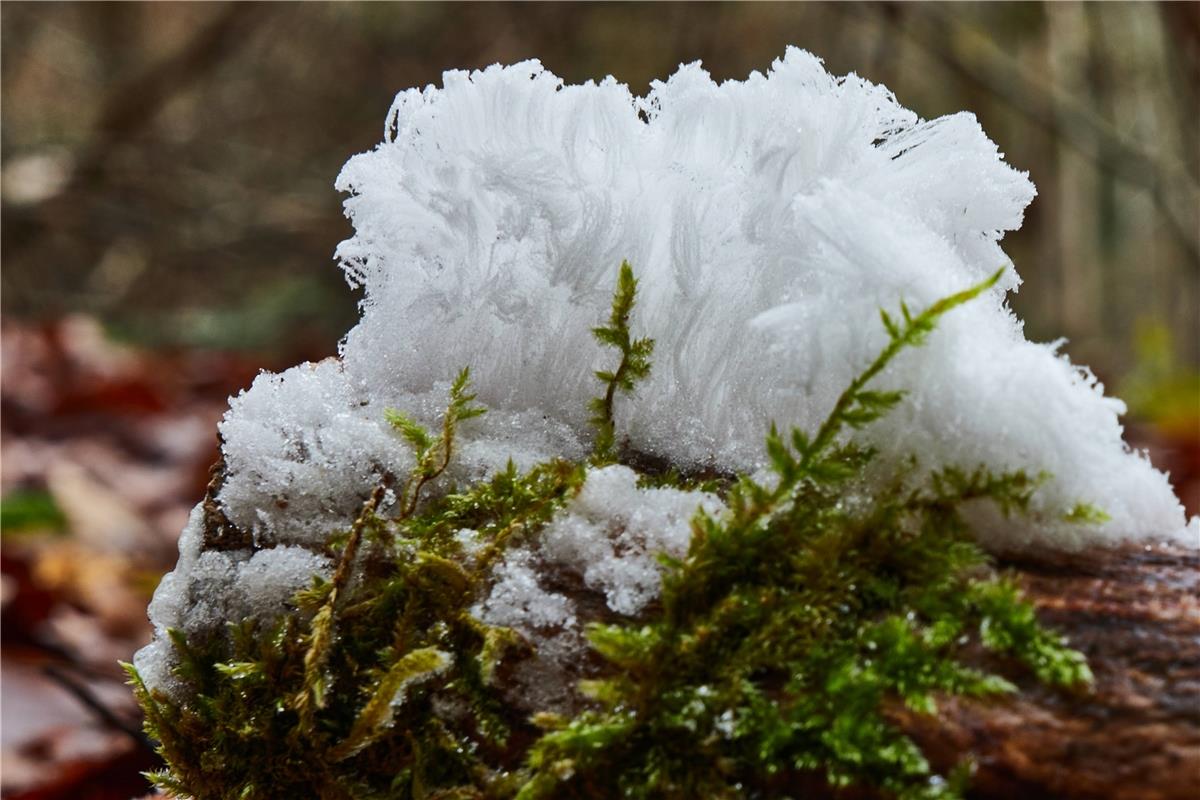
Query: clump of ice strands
768, 219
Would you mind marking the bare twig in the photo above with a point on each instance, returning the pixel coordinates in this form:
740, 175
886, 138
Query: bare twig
90, 701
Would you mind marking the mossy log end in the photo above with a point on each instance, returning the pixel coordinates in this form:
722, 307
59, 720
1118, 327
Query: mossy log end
1134, 611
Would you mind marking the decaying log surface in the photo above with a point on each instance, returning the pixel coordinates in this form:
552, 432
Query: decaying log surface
1135, 613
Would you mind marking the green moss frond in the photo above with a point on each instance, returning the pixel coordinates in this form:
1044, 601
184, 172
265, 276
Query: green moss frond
320, 638
376, 716
633, 367
433, 455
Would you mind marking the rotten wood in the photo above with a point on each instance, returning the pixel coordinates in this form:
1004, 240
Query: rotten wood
1134, 612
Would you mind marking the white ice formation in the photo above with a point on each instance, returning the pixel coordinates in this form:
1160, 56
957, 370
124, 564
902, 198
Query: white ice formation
611, 535
210, 588
768, 221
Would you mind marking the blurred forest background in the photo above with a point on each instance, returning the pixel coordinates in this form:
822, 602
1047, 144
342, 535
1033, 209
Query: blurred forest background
168, 221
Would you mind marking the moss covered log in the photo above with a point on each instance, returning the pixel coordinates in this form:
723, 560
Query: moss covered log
801, 626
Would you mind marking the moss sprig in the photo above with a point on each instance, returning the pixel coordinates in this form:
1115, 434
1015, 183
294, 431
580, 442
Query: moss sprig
328, 594
433, 455
633, 366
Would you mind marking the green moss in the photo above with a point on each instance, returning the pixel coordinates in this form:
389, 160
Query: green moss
781, 636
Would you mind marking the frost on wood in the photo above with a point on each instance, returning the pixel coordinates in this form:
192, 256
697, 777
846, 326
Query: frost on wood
611, 534
610, 538
303, 448
769, 220
210, 588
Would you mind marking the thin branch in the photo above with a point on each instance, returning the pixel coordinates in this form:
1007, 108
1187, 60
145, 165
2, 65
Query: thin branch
89, 700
